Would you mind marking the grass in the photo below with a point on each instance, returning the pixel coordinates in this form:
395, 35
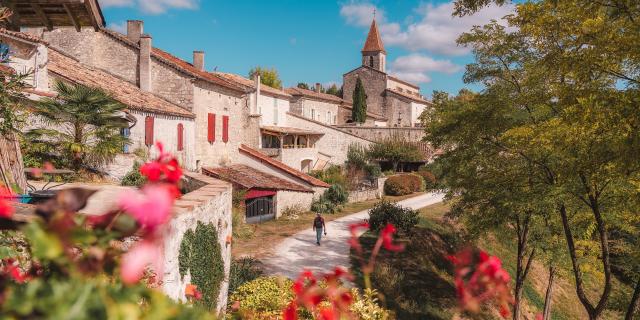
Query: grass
418, 282
255, 240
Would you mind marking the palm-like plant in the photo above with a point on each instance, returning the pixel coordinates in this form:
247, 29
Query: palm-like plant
81, 126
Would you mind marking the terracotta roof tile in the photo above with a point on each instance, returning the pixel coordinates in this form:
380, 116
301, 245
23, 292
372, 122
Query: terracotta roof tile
121, 90
413, 97
22, 35
251, 178
283, 167
295, 91
374, 42
247, 83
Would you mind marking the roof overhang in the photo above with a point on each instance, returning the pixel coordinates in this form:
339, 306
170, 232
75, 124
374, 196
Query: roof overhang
289, 131
54, 13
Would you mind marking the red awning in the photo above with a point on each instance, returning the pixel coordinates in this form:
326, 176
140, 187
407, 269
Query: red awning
253, 193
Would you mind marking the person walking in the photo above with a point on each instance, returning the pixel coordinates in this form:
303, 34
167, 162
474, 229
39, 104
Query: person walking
319, 227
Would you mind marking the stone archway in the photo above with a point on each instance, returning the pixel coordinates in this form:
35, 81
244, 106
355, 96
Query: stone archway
306, 165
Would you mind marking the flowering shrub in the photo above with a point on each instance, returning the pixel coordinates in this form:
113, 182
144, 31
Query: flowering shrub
385, 212
262, 298
480, 278
365, 306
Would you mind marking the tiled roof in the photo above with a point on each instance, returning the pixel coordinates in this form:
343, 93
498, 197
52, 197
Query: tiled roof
374, 42
295, 91
121, 90
413, 97
404, 82
176, 62
283, 167
290, 130
251, 178
21, 35
247, 83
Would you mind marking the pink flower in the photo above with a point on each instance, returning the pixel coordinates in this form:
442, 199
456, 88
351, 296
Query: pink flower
135, 261
151, 207
6, 210
354, 242
165, 168
387, 238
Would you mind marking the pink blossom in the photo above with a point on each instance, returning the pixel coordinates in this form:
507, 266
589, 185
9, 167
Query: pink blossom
142, 255
6, 210
151, 206
387, 238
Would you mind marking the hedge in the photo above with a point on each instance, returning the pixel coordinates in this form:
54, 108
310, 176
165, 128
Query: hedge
403, 184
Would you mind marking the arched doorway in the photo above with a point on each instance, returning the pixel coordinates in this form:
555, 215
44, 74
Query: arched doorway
306, 165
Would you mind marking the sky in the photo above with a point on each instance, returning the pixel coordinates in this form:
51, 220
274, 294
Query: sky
310, 41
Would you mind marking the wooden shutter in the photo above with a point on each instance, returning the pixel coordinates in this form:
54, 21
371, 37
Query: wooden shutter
148, 131
180, 137
211, 128
225, 129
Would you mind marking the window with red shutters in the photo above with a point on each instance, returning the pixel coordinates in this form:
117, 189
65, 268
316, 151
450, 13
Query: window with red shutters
180, 137
211, 128
225, 129
148, 131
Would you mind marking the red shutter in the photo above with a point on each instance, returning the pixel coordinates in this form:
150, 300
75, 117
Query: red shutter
148, 131
211, 128
180, 137
225, 129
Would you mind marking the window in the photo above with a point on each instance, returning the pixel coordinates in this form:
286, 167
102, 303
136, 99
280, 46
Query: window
211, 127
275, 111
180, 137
126, 133
225, 129
328, 120
313, 114
148, 131
371, 61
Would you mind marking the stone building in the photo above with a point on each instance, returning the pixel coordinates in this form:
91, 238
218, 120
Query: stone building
397, 101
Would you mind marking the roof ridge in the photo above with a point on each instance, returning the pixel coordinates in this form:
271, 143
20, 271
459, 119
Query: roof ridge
373, 42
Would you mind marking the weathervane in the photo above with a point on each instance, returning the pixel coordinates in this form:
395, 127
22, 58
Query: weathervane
374, 13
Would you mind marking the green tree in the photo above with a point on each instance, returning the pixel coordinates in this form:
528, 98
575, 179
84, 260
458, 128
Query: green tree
359, 111
81, 126
268, 76
303, 85
394, 150
335, 91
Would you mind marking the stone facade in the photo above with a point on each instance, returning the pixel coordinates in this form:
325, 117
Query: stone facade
368, 194
273, 110
322, 111
375, 84
286, 199
210, 203
380, 133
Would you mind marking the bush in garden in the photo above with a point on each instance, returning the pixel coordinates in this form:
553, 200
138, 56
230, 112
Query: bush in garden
243, 270
385, 212
263, 298
429, 178
323, 205
336, 194
292, 212
403, 184
134, 178
365, 306
332, 175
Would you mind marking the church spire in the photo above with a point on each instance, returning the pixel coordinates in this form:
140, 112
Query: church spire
374, 42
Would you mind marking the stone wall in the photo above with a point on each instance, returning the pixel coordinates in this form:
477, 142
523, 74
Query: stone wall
333, 143
25, 60
294, 157
286, 199
381, 133
273, 110
375, 84
398, 108
208, 204
368, 194
321, 111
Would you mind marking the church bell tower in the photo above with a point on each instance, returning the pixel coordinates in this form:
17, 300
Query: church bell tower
373, 53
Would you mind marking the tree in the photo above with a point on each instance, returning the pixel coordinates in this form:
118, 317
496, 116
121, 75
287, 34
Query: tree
303, 85
81, 126
359, 111
335, 91
394, 150
268, 77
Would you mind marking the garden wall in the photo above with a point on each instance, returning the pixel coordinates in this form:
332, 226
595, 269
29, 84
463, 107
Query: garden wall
209, 204
368, 194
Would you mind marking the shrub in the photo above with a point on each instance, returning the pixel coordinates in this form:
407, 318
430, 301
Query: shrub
365, 306
332, 175
241, 229
292, 212
133, 178
336, 194
429, 178
263, 298
400, 185
323, 205
357, 156
385, 212
243, 270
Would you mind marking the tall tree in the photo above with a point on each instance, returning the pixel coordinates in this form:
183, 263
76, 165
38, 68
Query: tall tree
395, 150
81, 126
359, 111
302, 85
335, 91
268, 76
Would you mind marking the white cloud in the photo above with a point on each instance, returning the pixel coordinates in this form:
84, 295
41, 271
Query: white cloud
434, 30
152, 6
415, 77
416, 67
118, 26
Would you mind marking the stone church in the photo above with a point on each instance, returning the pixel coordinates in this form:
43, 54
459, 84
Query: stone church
397, 101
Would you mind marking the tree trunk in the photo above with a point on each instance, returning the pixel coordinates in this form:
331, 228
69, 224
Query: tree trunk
546, 314
522, 266
11, 166
633, 305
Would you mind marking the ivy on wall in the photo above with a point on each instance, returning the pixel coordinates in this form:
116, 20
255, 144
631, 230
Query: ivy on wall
200, 255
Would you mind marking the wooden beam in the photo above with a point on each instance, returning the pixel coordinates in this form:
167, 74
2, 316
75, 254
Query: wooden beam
94, 14
14, 20
73, 17
43, 17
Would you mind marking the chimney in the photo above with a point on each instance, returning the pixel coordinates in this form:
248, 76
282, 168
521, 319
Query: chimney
318, 87
258, 85
144, 62
134, 30
198, 60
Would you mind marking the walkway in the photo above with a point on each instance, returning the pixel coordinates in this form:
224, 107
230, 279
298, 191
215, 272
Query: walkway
300, 251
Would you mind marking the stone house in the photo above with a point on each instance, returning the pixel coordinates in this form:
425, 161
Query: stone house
397, 101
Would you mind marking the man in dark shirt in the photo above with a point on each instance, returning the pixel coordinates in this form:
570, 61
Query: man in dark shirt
318, 226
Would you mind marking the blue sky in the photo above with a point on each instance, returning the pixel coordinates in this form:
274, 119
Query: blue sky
309, 41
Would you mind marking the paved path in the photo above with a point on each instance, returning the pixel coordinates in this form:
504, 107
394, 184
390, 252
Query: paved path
300, 251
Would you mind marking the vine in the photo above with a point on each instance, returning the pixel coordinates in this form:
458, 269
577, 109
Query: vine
200, 255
